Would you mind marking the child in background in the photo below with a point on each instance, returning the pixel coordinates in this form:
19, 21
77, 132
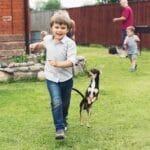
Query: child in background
71, 32
60, 57
130, 43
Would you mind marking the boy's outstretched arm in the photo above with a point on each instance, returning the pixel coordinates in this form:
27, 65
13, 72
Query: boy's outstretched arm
36, 46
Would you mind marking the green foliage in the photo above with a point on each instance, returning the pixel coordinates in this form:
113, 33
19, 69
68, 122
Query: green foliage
41, 57
20, 58
50, 4
120, 117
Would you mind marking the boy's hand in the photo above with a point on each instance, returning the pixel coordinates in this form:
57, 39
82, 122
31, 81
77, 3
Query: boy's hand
36, 47
125, 46
114, 19
53, 63
60, 64
136, 38
32, 47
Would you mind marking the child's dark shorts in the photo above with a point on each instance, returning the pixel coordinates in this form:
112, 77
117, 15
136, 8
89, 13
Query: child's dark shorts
132, 56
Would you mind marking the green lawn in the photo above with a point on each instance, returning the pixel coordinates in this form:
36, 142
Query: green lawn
120, 118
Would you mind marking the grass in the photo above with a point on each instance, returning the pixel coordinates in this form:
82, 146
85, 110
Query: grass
120, 118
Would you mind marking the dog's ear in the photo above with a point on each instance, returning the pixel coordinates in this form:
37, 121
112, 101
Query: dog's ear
97, 72
100, 72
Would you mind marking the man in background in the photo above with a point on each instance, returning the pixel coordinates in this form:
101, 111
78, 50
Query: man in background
126, 18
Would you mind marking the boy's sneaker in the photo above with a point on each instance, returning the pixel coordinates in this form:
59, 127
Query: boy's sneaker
60, 135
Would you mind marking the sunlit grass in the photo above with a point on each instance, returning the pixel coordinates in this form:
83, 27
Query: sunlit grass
120, 118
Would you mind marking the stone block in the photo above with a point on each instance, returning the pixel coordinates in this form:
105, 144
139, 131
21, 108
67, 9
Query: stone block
4, 76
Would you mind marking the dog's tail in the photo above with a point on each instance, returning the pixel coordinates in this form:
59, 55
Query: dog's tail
78, 92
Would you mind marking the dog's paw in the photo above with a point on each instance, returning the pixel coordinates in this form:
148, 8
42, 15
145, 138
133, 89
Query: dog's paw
81, 124
88, 125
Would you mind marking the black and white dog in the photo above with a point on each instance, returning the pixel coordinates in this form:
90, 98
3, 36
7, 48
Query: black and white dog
91, 94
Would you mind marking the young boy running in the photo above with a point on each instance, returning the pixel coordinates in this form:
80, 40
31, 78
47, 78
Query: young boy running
60, 57
130, 43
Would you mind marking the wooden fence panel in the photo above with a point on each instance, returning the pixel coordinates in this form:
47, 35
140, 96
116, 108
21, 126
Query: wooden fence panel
94, 23
40, 20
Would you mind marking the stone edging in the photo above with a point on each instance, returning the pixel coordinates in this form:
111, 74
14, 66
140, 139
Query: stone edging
32, 69
19, 71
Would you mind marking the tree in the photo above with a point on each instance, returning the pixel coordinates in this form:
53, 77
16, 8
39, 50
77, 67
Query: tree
50, 4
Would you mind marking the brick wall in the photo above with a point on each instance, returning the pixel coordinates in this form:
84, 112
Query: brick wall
12, 27
12, 17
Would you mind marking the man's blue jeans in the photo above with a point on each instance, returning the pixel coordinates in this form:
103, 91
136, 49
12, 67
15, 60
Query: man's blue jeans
60, 94
123, 35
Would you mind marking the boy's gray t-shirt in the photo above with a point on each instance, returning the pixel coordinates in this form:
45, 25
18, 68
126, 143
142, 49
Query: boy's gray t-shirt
64, 50
132, 45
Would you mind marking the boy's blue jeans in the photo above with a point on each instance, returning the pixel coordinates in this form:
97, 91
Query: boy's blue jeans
60, 94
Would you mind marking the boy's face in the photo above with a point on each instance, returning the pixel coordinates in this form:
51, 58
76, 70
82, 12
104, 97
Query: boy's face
129, 32
59, 30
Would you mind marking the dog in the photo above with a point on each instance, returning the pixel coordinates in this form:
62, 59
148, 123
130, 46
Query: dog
91, 94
